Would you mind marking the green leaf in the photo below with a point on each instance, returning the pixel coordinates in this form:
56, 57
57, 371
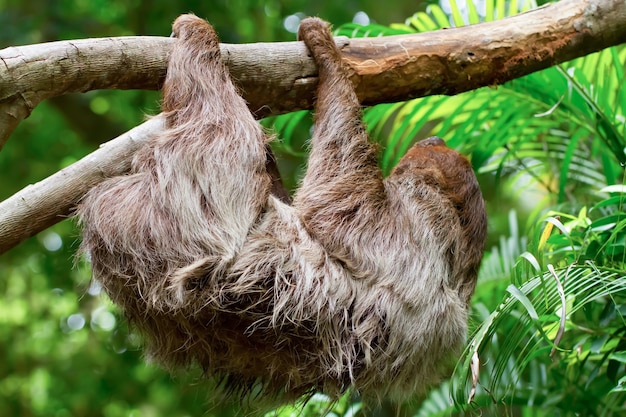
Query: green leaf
456, 14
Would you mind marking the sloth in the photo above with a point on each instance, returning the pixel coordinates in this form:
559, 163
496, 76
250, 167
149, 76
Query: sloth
361, 283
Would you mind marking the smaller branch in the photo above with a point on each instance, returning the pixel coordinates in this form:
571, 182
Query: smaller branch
39, 206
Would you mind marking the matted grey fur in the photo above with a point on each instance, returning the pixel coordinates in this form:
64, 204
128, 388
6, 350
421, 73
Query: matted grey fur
363, 282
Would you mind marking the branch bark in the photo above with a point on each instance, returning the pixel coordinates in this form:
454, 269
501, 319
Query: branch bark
280, 77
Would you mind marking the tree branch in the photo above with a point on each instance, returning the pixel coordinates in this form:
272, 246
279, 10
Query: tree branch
276, 78
41, 205
280, 77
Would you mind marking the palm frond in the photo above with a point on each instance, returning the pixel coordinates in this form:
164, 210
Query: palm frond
524, 325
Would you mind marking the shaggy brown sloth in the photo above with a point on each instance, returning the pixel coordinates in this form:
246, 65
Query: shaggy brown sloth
362, 282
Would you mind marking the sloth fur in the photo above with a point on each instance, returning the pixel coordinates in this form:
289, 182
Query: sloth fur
362, 282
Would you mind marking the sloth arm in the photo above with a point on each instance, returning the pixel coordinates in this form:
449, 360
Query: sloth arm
342, 195
213, 142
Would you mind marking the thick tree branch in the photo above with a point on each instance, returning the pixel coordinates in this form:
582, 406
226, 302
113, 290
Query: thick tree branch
280, 77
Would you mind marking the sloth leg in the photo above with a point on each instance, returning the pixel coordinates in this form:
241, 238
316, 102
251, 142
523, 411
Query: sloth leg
343, 188
211, 164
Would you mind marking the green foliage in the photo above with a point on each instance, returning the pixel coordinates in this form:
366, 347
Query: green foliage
317, 406
556, 340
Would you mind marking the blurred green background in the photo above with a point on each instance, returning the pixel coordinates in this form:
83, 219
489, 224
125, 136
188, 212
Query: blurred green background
545, 148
